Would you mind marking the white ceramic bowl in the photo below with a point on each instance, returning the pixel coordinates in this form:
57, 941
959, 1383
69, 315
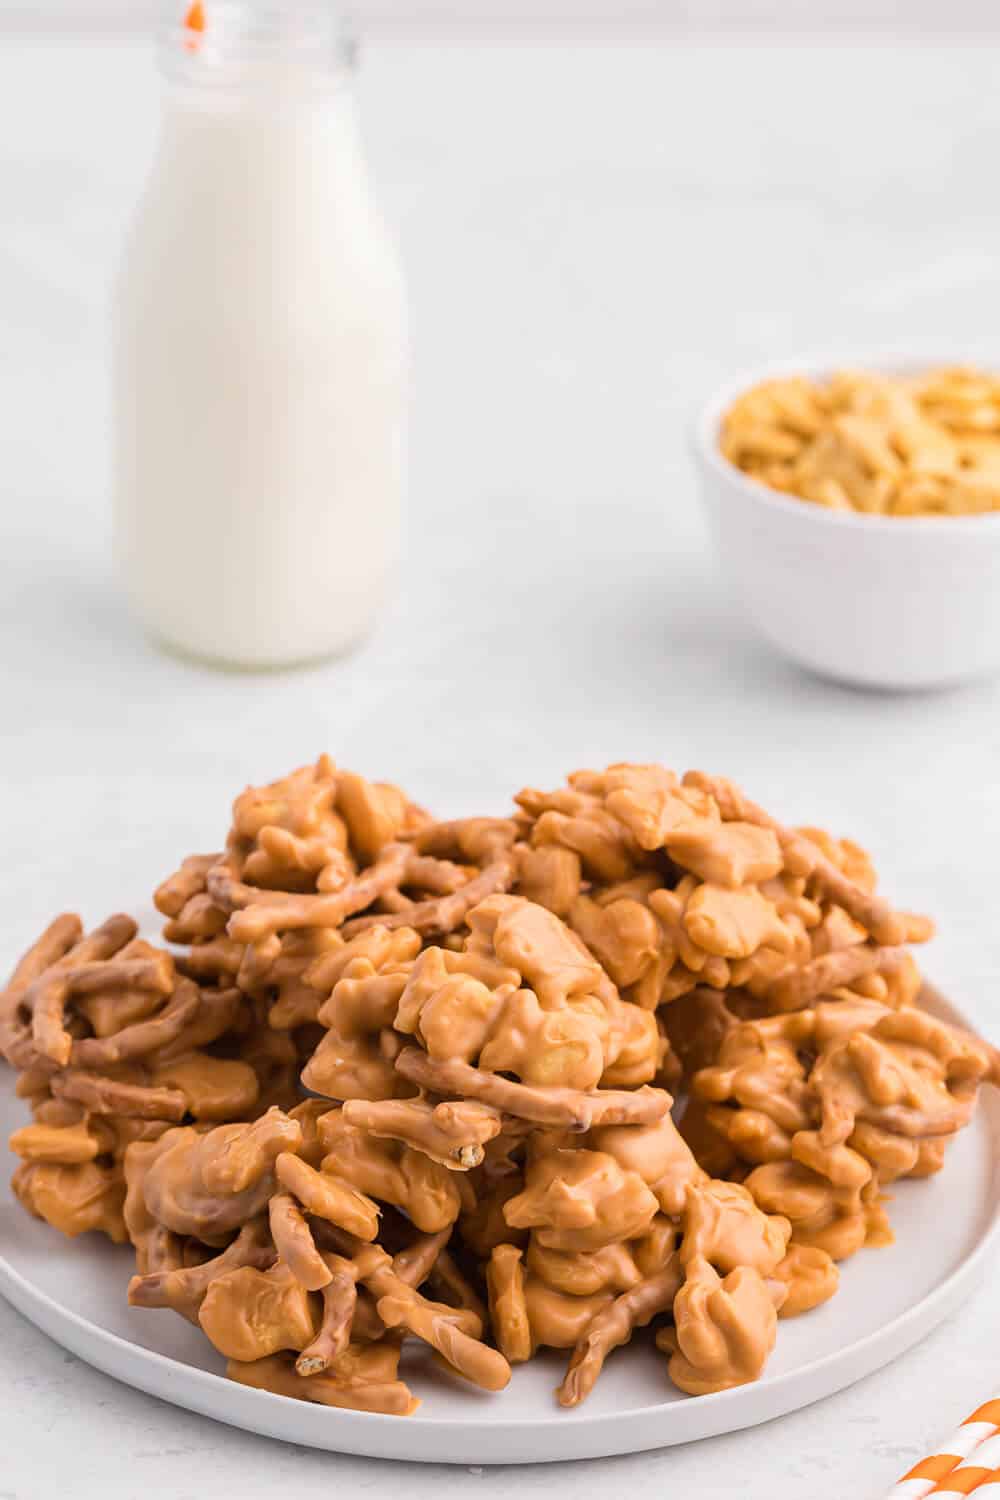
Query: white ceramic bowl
880, 601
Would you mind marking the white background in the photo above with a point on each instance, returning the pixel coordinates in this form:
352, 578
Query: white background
515, 17
594, 235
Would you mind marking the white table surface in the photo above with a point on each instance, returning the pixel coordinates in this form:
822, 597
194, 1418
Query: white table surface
594, 235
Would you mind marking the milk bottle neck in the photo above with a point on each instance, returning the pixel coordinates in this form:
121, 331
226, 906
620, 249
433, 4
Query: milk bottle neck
256, 49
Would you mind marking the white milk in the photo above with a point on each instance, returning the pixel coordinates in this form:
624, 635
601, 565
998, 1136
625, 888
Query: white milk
260, 354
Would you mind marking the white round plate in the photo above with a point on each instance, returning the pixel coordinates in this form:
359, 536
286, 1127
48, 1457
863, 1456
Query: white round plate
946, 1229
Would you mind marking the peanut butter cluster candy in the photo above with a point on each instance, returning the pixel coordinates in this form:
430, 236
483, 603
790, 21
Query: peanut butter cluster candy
320, 851
679, 882
306, 835
113, 1045
303, 1277
396, 1079
626, 1227
830, 1103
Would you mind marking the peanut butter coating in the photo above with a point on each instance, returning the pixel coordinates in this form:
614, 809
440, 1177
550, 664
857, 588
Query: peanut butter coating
404, 1079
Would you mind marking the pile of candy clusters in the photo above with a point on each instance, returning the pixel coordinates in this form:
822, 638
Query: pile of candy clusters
395, 1078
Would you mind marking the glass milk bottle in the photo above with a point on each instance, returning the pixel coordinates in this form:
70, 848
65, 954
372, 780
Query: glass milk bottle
259, 352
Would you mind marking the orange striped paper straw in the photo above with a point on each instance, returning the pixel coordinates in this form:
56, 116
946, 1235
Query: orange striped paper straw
962, 1450
978, 1474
